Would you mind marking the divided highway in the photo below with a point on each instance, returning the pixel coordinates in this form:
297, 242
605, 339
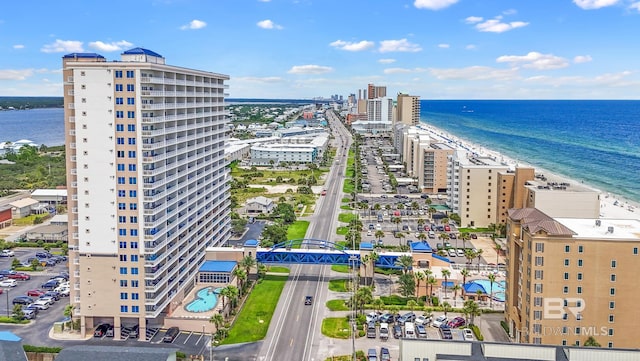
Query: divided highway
294, 325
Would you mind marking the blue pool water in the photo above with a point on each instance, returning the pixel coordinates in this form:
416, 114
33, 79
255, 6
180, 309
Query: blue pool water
206, 300
498, 288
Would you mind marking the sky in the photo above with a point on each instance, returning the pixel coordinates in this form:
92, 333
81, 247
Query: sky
299, 49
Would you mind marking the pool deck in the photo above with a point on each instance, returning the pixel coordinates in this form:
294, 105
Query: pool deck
181, 312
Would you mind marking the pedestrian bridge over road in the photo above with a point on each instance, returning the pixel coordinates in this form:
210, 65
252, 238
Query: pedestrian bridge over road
317, 251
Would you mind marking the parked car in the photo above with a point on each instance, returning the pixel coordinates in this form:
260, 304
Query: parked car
397, 331
384, 354
422, 320
43, 255
6, 272
468, 334
32, 308
407, 317
53, 294
21, 276
457, 322
171, 334
421, 331
47, 299
101, 330
41, 304
445, 333
372, 355
474, 236
109, 332
29, 313
50, 285
131, 332
387, 318
35, 293
439, 321
372, 317
8, 283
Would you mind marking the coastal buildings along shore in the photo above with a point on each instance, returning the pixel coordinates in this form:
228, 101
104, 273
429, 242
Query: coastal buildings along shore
147, 183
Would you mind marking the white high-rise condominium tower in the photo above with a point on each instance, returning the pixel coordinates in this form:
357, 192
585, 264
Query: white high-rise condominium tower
147, 183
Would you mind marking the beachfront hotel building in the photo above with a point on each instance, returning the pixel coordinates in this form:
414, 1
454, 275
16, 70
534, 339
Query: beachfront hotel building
472, 184
424, 159
569, 279
147, 183
408, 109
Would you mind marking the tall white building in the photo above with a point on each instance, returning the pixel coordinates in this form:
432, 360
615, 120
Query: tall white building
147, 183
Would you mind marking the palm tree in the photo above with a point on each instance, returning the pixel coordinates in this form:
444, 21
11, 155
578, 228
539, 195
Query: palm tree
471, 309
241, 274
431, 281
262, 270
498, 248
420, 276
362, 297
446, 307
373, 257
465, 236
400, 236
465, 273
469, 254
479, 254
247, 262
427, 273
68, 313
397, 221
364, 261
455, 290
445, 274
405, 262
379, 234
444, 237
422, 236
217, 320
421, 222
224, 293
492, 279
233, 294
378, 304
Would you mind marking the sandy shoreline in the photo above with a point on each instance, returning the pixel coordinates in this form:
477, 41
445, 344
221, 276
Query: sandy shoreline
611, 205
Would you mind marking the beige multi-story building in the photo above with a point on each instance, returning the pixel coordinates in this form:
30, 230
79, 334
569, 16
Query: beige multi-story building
374, 92
425, 160
512, 191
563, 199
408, 109
147, 183
472, 188
569, 279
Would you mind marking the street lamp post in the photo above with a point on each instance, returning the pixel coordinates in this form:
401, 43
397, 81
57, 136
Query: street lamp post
6, 290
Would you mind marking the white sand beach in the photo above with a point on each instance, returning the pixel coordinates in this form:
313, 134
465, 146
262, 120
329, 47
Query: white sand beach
611, 205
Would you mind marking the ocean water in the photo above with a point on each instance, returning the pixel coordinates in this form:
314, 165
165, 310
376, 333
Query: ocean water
592, 141
42, 126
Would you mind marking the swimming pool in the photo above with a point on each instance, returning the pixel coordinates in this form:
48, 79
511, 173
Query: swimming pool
498, 288
206, 300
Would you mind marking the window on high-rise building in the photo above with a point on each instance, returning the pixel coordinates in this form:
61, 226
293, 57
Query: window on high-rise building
120, 167
134, 283
134, 245
118, 73
130, 101
133, 194
614, 263
130, 73
132, 154
133, 180
131, 127
133, 206
131, 114
123, 295
124, 308
132, 141
123, 270
134, 270
119, 101
134, 258
135, 296
119, 87
120, 127
123, 283
119, 114
119, 140
130, 87
135, 309
133, 232
122, 244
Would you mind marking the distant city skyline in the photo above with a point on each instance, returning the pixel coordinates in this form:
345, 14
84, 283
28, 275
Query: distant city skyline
437, 49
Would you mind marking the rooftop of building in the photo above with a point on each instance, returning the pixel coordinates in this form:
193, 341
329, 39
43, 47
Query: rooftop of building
140, 51
24, 202
551, 185
82, 55
50, 192
603, 228
218, 266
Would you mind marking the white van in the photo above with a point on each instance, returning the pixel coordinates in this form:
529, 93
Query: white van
409, 330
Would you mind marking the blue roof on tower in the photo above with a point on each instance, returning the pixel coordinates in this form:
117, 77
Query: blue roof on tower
83, 55
144, 51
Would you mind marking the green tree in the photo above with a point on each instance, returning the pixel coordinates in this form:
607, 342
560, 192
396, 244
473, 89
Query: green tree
431, 281
378, 304
217, 319
412, 304
275, 233
68, 313
407, 285
492, 279
446, 307
241, 275
465, 273
420, 276
591, 342
17, 313
471, 310
455, 290
247, 262
445, 274
15, 263
285, 212
405, 262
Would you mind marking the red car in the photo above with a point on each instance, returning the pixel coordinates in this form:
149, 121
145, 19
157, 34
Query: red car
35, 293
324, 192
457, 322
19, 276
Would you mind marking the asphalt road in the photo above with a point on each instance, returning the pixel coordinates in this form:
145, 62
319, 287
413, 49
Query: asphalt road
295, 326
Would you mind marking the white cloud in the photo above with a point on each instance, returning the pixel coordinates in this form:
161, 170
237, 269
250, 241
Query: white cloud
443, 46
349, 46
387, 61
635, 6
403, 70
433, 4
112, 46
402, 45
510, 12
309, 69
582, 59
18, 46
474, 73
473, 19
594, 4
497, 26
535, 60
11, 74
194, 25
264, 1
63, 46
471, 47
268, 24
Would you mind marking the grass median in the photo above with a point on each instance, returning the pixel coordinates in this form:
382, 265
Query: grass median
336, 327
253, 321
